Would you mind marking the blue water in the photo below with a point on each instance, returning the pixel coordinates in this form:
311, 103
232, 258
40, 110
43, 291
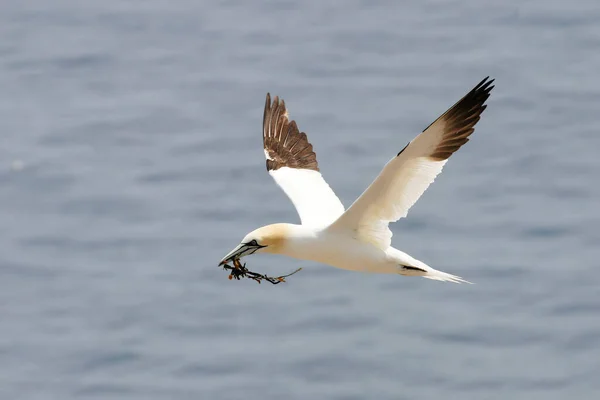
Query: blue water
131, 161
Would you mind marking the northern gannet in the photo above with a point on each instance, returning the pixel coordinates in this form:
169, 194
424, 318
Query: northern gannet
358, 238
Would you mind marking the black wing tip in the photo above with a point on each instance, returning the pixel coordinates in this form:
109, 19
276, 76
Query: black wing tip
268, 103
474, 101
480, 92
276, 99
461, 118
485, 82
478, 95
273, 110
484, 87
284, 143
267, 111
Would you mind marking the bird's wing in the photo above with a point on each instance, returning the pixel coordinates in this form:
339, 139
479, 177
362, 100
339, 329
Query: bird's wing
404, 178
292, 162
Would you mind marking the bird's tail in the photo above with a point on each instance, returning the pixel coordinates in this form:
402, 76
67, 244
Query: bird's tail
445, 277
430, 273
410, 266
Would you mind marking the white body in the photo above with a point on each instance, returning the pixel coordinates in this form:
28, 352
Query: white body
339, 249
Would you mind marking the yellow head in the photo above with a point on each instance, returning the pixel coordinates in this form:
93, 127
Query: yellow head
268, 239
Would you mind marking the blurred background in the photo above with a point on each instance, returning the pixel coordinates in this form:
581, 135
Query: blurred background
132, 161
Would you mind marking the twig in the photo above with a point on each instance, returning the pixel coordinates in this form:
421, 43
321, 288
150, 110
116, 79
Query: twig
240, 271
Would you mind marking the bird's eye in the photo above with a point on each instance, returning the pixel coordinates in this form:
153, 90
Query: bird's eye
252, 243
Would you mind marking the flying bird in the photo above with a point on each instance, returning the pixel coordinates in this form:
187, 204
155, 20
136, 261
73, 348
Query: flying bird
358, 238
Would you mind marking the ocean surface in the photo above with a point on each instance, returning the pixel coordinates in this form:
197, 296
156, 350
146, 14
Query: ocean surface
131, 162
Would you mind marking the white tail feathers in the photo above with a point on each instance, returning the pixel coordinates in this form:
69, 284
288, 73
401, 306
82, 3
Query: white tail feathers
427, 272
410, 266
443, 276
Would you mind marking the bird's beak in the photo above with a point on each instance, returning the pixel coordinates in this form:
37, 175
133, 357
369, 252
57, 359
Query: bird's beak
242, 250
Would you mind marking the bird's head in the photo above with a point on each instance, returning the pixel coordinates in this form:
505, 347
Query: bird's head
268, 239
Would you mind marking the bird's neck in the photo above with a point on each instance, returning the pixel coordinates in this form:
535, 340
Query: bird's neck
304, 243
